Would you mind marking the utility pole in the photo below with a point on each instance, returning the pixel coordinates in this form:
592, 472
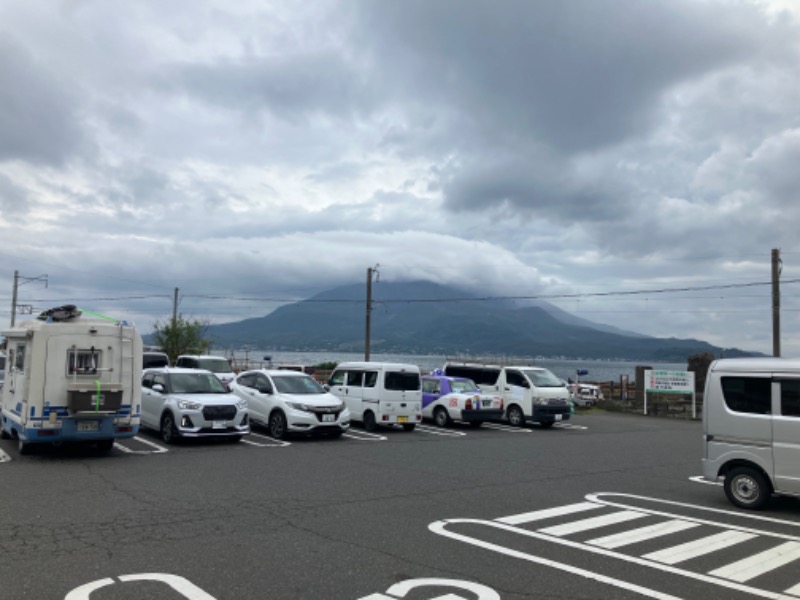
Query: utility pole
174, 308
776, 302
17, 284
370, 272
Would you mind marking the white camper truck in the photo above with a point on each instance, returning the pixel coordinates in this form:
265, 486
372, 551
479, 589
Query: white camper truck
71, 378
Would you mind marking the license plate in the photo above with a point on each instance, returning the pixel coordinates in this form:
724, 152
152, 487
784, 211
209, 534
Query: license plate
88, 426
218, 425
402, 419
328, 418
558, 417
487, 402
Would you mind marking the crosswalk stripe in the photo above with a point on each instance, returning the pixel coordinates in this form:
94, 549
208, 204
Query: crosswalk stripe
641, 534
547, 513
701, 547
593, 523
758, 564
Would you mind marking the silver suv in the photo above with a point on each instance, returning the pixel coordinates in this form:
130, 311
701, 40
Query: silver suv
191, 403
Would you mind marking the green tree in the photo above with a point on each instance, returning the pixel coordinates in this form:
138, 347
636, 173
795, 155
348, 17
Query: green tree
182, 336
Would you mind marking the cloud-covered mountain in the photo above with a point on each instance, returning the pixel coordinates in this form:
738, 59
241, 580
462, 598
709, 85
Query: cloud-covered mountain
427, 318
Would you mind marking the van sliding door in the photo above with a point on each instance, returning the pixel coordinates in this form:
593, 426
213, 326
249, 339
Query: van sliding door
786, 436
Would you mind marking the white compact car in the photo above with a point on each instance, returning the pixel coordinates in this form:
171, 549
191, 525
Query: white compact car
291, 402
191, 403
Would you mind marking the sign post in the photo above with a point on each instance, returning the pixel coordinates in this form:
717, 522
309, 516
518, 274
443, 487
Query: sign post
670, 382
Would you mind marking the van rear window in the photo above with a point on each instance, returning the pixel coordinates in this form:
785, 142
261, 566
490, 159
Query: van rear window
401, 382
748, 394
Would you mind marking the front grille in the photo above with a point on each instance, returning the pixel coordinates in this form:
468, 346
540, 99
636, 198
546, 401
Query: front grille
219, 413
319, 411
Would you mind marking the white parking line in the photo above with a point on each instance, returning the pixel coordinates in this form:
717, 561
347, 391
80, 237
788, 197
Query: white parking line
4, 457
701, 479
785, 549
365, 436
271, 442
157, 449
440, 431
499, 427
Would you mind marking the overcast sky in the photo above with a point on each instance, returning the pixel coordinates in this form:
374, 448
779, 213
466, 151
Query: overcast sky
253, 152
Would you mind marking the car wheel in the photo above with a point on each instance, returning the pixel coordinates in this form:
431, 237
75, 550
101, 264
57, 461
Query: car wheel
277, 425
475, 424
409, 426
169, 433
440, 417
369, 421
515, 416
23, 446
747, 488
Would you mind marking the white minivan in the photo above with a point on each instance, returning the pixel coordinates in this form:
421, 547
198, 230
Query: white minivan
751, 428
378, 393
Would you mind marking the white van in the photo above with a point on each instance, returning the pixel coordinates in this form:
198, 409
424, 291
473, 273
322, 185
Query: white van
751, 428
218, 365
379, 393
530, 393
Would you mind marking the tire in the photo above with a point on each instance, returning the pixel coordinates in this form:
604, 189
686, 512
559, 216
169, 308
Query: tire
747, 487
105, 445
4, 435
23, 446
277, 425
369, 421
441, 418
475, 424
409, 426
169, 433
515, 416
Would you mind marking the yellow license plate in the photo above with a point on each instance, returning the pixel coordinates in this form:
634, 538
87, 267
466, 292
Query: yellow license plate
402, 419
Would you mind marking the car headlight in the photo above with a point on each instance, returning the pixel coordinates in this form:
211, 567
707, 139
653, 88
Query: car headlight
189, 405
540, 401
241, 404
299, 406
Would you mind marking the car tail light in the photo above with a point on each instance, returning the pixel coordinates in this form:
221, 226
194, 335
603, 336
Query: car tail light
468, 404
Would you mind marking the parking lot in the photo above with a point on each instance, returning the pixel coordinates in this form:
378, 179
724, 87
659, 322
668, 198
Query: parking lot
601, 507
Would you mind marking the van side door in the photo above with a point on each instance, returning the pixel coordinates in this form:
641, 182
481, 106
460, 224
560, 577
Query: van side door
354, 392
786, 435
518, 391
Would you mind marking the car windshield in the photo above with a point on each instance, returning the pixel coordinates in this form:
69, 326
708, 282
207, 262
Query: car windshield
297, 385
463, 386
543, 378
215, 365
195, 383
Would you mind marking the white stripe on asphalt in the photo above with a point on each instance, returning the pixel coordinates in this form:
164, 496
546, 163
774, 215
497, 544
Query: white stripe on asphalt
499, 427
758, 564
158, 449
547, 513
706, 545
593, 523
271, 441
4, 457
439, 431
641, 534
367, 436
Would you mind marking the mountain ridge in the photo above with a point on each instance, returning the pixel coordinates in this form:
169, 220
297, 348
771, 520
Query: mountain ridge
427, 318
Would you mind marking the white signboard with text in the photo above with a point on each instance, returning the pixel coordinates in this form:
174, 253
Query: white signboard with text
669, 382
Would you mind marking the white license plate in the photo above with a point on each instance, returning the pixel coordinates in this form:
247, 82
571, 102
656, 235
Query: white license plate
218, 425
558, 417
88, 426
328, 418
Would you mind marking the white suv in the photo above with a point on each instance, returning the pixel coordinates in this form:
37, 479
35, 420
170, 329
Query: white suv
218, 365
288, 401
191, 403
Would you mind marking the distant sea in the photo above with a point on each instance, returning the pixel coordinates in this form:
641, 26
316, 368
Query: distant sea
598, 370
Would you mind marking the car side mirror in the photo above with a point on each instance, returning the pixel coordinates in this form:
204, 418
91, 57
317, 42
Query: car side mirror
158, 387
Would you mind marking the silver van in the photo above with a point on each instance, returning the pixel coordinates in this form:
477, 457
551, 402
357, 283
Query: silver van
751, 428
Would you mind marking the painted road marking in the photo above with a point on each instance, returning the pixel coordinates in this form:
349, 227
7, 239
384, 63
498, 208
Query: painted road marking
4, 457
269, 442
156, 448
440, 431
178, 584
701, 479
618, 508
508, 428
364, 436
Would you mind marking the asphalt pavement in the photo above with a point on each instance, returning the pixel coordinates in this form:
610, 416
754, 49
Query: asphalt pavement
601, 507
